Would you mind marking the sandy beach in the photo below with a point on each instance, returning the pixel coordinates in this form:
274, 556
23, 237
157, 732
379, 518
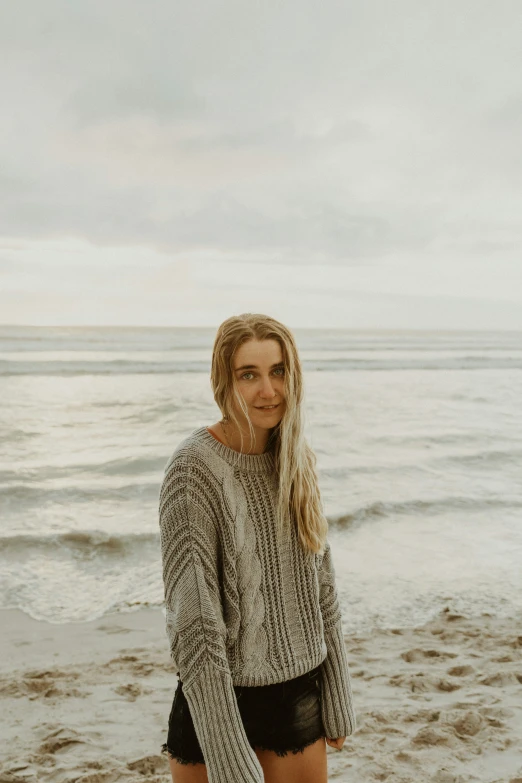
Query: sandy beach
90, 701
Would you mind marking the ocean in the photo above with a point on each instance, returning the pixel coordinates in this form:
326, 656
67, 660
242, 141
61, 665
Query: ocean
418, 437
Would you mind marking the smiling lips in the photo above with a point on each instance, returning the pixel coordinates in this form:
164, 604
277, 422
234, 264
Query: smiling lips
267, 407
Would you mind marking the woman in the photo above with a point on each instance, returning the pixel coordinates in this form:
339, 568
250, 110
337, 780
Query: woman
252, 611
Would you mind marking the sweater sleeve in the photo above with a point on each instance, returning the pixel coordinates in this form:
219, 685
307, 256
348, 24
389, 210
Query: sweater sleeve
195, 625
336, 693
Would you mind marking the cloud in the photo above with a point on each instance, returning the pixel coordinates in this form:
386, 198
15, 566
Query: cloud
343, 134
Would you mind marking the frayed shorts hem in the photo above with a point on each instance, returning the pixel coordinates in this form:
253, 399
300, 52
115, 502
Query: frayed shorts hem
278, 751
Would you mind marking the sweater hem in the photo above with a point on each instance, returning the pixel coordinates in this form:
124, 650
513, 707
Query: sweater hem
289, 672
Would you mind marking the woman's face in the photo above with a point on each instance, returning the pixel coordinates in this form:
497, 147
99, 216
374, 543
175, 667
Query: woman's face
259, 372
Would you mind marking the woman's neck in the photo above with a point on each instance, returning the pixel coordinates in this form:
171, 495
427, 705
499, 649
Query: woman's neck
231, 437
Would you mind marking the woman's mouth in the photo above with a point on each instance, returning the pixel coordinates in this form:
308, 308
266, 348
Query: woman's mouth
268, 408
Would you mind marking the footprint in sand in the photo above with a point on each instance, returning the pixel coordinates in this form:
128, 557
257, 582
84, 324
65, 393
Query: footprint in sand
138, 667
60, 738
148, 765
113, 629
497, 716
465, 723
36, 684
501, 679
422, 683
417, 654
460, 671
434, 736
131, 691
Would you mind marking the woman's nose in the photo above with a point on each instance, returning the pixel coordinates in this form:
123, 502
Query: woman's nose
267, 388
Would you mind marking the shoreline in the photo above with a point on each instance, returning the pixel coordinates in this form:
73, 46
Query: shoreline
89, 701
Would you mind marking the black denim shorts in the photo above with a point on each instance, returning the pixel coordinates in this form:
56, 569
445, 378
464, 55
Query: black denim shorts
282, 717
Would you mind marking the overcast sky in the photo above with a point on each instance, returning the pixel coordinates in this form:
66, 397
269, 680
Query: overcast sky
340, 163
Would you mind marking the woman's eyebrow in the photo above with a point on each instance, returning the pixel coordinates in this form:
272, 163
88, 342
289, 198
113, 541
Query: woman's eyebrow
255, 367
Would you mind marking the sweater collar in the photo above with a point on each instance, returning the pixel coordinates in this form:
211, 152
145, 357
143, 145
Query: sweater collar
257, 463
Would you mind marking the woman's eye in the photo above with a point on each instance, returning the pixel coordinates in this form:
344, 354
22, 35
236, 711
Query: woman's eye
280, 370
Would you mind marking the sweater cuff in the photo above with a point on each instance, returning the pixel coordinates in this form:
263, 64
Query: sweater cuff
228, 755
337, 708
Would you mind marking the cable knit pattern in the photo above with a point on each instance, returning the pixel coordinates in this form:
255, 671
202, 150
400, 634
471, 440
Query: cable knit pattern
242, 606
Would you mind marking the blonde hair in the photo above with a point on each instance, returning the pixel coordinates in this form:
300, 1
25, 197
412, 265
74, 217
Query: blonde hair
295, 461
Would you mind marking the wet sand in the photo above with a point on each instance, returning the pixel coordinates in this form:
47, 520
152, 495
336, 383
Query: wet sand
90, 701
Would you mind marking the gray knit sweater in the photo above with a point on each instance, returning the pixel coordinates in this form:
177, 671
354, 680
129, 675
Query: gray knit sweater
241, 608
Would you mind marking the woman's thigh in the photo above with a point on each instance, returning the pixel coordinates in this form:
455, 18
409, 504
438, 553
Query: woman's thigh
188, 773
308, 766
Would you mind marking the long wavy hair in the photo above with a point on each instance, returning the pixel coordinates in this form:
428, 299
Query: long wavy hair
299, 498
